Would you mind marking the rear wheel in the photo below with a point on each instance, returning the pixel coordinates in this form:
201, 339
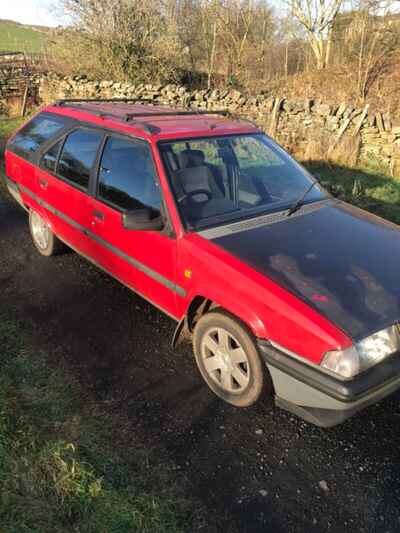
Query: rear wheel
43, 238
228, 359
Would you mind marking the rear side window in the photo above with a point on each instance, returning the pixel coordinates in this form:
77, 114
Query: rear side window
39, 130
78, 156
49, 159
127, 177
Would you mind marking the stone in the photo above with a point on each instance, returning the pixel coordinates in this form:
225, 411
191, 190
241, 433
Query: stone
323, 485
323, 110
379, 122
395, 168
235, 95
341, 110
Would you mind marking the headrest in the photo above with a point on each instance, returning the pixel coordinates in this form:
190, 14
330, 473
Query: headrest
191, 158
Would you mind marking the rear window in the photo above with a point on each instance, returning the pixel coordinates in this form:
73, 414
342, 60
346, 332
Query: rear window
39, 130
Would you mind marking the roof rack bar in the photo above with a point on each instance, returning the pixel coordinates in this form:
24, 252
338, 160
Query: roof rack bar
66, 101
104, 114
150, 114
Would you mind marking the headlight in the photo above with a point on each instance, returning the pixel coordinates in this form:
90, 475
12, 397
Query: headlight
364, 354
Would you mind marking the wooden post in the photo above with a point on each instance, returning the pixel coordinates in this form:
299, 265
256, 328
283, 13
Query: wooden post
275, 116
24, 100
359, 123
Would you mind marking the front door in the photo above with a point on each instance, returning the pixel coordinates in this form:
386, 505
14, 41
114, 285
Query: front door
143, 260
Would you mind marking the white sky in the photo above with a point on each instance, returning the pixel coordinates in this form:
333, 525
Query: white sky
29, 11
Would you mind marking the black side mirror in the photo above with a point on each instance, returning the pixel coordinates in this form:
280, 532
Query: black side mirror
145, 219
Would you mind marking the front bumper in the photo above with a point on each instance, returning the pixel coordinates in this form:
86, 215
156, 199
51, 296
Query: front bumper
319, 397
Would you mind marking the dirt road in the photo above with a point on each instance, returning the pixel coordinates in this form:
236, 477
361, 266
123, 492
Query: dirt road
256, 470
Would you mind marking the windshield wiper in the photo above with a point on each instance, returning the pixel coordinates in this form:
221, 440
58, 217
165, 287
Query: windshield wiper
299, 202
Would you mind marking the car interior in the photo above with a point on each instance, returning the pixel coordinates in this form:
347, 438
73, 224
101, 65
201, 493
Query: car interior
204, 189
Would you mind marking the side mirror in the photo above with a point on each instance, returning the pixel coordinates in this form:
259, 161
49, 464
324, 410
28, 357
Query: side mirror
145, 219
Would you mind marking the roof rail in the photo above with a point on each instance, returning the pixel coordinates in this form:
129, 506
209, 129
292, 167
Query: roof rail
132, 117
67, 101
74, 103
157, 113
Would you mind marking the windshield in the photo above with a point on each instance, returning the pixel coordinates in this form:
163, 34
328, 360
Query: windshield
218, 180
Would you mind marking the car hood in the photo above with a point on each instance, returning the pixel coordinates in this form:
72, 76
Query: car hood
342, 261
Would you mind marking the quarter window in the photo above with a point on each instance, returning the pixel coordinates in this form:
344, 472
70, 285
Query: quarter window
39, 130
127, 176
78, 156
49, 160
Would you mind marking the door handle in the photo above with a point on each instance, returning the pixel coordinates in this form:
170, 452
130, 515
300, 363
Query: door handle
98, 215
43, 183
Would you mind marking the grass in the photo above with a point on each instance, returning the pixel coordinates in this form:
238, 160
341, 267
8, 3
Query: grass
8, 125
367, 187
61, 468
16, 37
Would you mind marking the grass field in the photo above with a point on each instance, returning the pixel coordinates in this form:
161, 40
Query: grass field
16, 37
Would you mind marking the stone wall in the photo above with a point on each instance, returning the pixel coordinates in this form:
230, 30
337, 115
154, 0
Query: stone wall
13, 81
296, 125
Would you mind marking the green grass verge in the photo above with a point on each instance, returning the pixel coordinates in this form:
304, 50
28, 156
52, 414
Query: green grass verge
61, 468
19, 38
367, 187
9, 125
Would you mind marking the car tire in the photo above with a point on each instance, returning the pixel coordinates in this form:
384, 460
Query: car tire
43, 238
227, 357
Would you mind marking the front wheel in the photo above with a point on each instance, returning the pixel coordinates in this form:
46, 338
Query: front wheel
43, 238
228, 359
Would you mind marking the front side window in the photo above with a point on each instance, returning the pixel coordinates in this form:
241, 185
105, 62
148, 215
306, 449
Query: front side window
39, 130
127, 177
223, 179
78, 156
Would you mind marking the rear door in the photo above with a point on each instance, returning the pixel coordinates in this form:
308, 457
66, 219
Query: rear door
63, 181
143, 260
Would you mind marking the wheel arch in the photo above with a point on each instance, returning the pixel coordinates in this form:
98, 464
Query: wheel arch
200, 305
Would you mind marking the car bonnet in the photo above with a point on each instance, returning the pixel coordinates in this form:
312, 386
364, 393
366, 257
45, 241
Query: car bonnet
342, 261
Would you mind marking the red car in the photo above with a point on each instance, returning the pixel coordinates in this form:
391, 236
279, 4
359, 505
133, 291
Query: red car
284, 289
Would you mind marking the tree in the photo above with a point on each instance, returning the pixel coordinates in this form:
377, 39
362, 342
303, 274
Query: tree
127, 39
317, 17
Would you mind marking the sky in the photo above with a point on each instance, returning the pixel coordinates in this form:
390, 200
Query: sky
29, 11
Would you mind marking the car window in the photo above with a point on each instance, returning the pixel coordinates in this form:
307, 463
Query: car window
221, 179
78, 156
49, 159
251, 153
39, 130
127, 177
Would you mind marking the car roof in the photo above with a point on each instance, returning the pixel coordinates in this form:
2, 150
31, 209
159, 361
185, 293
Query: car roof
153, 121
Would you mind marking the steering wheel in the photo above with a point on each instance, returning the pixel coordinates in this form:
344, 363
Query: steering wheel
196, 192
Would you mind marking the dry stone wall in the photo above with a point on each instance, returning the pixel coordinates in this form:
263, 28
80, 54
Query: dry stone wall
293, 124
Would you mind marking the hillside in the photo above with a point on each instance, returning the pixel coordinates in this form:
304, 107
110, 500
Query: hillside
18, 37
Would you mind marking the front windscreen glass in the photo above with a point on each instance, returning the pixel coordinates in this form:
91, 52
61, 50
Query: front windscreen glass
219, 180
